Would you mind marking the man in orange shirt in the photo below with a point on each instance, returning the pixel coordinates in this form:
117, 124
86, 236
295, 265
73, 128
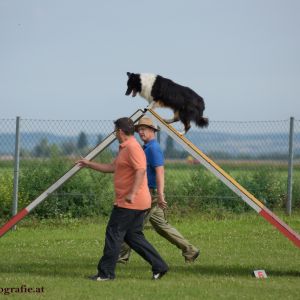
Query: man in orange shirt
132, 200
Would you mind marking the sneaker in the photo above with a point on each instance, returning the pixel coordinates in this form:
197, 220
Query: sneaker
193, 258
157, 276
123, 261
97, 277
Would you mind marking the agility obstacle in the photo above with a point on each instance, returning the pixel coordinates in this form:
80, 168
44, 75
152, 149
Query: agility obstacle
191, 149
97, 150
227, 180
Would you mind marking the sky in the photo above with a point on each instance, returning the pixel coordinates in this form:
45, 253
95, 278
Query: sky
67, 59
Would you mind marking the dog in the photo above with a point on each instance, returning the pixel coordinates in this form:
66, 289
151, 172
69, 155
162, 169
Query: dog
186, 104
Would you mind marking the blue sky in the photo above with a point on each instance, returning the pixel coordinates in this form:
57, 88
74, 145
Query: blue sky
67, 59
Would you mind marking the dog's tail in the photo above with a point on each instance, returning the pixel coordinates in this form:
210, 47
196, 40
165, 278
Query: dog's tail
202, 122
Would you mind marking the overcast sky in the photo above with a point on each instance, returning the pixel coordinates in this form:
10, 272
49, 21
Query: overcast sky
67, 59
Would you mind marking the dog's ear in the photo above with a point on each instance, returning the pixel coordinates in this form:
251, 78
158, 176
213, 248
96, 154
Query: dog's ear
128, 74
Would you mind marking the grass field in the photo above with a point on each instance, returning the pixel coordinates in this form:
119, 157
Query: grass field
57, 256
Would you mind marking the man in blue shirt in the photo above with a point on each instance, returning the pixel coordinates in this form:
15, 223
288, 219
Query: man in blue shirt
156, 183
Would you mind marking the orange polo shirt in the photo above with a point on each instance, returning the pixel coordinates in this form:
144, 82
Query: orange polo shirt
131, 157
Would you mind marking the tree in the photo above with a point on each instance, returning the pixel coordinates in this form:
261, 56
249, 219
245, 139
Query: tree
42, 149
171, 151
68, 148
100, 138
82, 140
169, 146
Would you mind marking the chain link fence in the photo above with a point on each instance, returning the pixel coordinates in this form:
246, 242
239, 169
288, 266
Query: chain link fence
254, 153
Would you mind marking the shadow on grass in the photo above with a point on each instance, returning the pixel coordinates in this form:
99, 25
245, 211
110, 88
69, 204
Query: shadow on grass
85, 267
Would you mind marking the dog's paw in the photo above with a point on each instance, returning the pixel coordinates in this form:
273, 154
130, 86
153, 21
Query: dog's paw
168, 121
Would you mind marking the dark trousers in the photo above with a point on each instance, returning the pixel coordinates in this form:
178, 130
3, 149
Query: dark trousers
127, 225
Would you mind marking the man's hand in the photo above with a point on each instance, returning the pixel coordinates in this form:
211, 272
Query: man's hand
83, 162
129, 198
105, 168
138, 180
161, 202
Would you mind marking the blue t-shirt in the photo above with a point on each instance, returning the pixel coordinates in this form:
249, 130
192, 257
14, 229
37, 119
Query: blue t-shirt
155, 158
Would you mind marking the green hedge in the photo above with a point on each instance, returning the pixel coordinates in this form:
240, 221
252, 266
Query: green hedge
203, 191
91, 193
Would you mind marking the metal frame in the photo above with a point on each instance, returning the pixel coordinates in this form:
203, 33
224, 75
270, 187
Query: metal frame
227, 180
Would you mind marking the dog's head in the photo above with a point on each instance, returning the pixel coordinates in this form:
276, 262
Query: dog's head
134, 85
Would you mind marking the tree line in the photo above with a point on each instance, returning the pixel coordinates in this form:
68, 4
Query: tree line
44, 149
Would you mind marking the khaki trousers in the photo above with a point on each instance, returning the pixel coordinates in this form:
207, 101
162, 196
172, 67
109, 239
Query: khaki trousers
156, 217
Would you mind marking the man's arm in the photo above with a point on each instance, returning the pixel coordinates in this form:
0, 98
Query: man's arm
138, 180
160, 183
105, 168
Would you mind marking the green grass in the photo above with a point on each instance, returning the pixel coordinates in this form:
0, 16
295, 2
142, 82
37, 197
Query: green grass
59, 255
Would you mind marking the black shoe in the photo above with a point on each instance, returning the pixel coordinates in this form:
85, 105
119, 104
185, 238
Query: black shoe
157, 276
97, 277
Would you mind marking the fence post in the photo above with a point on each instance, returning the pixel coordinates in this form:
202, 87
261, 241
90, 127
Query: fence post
158, 134
16, 170
290, 169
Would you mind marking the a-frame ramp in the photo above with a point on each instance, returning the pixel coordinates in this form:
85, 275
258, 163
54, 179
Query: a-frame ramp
189, 147
227, 180
97, 150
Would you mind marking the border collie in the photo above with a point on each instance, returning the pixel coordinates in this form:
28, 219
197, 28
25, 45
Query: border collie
162, 92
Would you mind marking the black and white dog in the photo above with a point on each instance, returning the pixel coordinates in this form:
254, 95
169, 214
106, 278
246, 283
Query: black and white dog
162, 92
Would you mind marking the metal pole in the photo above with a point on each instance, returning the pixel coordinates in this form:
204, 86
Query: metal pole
16, 170
158, 134
290, 169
